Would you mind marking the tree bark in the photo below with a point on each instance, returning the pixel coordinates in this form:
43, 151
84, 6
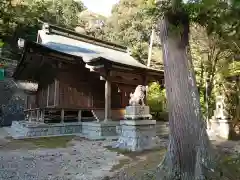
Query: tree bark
189, 154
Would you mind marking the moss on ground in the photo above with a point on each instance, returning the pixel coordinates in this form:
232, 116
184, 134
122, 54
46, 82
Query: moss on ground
142, 166
43, 142
51, 142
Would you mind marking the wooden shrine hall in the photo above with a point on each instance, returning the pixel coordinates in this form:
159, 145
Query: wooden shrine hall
79, 78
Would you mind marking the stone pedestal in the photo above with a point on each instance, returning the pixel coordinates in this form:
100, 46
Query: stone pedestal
137, 135
220, 124
137, 131
220, 127
137, 113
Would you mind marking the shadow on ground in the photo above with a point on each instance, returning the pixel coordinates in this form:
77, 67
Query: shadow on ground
143, 166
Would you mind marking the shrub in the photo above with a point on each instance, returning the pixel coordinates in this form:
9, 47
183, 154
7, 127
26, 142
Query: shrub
156, 98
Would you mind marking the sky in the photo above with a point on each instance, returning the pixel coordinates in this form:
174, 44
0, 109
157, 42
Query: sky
102, 7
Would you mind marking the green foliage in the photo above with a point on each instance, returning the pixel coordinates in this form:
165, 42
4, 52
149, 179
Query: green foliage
20, 19
219, 17
214, 33
156, 99
209, 54
63, 12
1, 43
130, 26
93, 24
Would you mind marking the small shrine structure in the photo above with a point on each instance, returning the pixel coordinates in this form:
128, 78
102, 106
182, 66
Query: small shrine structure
82, 82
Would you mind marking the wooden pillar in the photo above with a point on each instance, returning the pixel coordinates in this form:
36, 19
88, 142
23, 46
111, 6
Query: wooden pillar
38, 114
47, 94
42, 115
56, 87
30, 116
62, 115
30, 113
107, 100
79, 115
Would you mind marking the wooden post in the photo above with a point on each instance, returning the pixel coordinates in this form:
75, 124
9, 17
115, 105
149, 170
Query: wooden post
30, 113
107, 100
89, 99
62, 115
38, 114
47, 94
55, 92
42, 115
30, 116
79, 115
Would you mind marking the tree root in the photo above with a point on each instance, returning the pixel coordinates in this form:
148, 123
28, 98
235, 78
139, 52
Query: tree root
205, 170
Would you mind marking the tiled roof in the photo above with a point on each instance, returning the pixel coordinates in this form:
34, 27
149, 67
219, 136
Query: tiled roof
87, 51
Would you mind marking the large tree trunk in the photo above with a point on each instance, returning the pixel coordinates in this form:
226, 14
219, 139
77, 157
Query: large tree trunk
189, 154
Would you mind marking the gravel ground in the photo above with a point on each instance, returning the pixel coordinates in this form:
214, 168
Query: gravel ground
82, 160
85, 160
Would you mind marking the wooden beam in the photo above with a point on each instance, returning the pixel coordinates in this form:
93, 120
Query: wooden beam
159, 74
94, 68
126, 75
120, 67
125, 81
59, 56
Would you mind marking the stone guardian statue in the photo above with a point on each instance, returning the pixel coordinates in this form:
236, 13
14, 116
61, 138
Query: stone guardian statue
137, 98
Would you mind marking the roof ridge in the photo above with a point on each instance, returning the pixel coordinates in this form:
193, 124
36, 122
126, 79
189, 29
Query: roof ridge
53, 29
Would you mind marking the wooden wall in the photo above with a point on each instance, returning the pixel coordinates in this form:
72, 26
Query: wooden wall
76, 87
80, 88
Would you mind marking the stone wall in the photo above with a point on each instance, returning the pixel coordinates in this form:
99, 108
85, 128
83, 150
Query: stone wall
11, 100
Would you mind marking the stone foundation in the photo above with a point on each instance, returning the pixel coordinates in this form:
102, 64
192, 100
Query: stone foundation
23, 129
137, 135
90, 130
100, 130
